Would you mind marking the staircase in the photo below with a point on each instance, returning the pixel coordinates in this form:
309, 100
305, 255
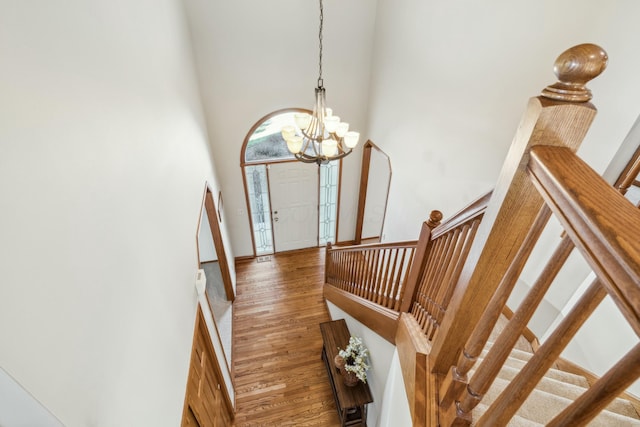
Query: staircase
462, 362
555, 391
552, 394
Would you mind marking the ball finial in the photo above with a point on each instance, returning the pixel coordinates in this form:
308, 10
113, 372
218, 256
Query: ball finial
434, 219
574, 68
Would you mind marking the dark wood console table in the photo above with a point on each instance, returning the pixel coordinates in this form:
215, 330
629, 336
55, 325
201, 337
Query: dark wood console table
350, 401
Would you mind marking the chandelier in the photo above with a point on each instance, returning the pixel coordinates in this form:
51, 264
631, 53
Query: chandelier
319, 137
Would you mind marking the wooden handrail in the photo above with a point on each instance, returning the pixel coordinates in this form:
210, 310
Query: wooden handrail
599, 220
606, 230
357, 248
474, 210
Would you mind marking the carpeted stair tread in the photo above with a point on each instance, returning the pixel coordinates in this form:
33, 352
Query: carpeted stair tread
515, 353
542, 406
513, 366
555, 391
521, 344
516, 421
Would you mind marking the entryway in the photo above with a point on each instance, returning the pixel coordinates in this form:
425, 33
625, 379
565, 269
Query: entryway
292, 205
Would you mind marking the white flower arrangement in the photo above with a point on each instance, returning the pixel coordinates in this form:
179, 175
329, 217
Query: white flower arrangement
356, 357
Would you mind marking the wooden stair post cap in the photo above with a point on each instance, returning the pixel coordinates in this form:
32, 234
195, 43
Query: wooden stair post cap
434, 218
574, 68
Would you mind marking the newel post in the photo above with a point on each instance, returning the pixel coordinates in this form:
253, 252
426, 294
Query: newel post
419, 260
561, 116
327, 261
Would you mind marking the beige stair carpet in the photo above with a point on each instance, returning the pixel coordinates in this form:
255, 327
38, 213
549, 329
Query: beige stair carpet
554, 392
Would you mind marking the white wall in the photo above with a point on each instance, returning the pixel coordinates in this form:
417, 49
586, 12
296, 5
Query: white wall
395, 410
103, 159
255, 57
380, 356
451, 80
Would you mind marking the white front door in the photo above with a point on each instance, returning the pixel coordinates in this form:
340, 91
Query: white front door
294, 205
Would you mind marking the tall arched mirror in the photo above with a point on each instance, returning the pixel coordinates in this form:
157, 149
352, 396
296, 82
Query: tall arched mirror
212, 259
375, 179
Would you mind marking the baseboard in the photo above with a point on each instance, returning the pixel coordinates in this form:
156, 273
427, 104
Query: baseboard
244, 258
345, 243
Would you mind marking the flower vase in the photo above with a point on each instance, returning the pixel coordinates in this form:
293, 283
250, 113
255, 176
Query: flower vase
339, 362
350, 378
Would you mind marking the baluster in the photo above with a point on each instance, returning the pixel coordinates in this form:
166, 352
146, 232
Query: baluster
344, 271
368, 274
366, 283
454, 384
398, 278
499, 352
353, 271
507, 404
375, 288
384, 299
392, 276
366, 270
428, 281
602, 392
437, 284
419, 260
399, 294
464, 243
363, 269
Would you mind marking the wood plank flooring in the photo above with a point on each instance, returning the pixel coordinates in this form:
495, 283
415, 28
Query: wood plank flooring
280, 379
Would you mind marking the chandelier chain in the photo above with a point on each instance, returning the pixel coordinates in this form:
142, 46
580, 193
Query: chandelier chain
319, 137
320, 81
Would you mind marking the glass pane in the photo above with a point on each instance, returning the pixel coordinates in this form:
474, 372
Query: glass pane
260, 209
266, 142
328, 202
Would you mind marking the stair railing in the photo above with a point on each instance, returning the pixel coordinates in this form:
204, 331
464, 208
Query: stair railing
416, 277
598, 221
449, 243
376, 272
560, 117
605, 228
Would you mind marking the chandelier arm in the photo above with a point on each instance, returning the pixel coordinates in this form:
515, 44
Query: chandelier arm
305, 158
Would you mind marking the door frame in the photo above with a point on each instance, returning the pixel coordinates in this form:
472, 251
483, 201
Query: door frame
244, 163
214, 215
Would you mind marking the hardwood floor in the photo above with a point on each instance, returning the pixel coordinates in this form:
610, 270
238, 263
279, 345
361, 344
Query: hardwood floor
280, 379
